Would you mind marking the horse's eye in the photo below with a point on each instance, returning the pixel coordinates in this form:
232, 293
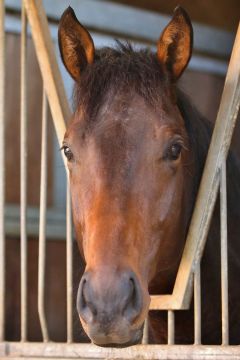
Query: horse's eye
68, 153
174, 151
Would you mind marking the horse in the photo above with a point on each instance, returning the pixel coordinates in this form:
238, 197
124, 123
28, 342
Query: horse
135, 148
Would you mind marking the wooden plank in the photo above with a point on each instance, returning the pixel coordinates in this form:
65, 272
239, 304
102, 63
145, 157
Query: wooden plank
48, 65
51, 350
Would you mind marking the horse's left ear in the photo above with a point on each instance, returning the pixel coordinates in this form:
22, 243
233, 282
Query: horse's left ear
174, 48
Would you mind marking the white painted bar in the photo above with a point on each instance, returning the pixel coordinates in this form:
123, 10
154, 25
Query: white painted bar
145, 332
2, 171
42, 224
197, 305
171, 327
224, 254
23, 177
69, 261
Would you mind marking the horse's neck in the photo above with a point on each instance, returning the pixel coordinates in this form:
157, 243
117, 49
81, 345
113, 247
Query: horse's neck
163, 281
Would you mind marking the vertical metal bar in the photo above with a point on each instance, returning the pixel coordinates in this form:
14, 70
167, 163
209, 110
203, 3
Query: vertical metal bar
23, 179
42, 224
197, 304
2, 170
69, 261
224, 257
145, 332
171, 327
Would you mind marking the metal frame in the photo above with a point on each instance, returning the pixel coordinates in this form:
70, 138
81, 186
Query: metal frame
214, 175
197, 234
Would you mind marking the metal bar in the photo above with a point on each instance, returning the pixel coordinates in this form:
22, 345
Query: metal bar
224, 254
197, 305
48, 65
69, 267
42, 224
90, 351
23, 177
145, 332
171, 327
2, 171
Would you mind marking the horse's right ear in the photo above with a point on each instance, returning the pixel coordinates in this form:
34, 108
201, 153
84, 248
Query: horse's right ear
75, 44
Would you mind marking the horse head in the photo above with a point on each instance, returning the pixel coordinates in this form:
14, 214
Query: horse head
131, 171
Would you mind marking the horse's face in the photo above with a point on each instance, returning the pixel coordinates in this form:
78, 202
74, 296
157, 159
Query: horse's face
127, 183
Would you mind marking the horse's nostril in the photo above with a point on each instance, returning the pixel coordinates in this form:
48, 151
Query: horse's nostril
83, 300
133, 304
85, 307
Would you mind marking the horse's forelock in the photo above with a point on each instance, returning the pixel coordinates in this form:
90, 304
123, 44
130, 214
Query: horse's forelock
120, 69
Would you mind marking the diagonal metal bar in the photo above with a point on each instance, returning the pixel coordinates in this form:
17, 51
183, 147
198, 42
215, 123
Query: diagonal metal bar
220, 143
52, 79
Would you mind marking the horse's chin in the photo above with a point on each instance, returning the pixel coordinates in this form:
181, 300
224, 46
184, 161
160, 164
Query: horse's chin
136, 338
119, 346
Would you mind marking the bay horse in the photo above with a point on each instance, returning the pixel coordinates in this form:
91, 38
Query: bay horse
136, 148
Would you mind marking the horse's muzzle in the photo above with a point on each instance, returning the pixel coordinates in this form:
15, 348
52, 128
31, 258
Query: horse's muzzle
110, 307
